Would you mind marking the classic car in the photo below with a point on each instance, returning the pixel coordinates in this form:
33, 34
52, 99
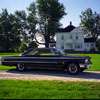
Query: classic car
48, 58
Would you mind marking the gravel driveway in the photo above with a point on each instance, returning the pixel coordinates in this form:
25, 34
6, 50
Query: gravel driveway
92, 76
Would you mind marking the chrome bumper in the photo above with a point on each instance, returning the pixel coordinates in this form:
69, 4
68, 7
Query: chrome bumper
85, 66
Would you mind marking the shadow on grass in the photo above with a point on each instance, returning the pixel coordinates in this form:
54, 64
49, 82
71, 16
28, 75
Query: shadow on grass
58, 73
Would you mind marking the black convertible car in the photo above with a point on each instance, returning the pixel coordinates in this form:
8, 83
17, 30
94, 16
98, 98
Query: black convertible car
47, 58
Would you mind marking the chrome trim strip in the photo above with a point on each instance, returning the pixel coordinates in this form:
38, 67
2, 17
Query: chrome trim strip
40, 58
30, 62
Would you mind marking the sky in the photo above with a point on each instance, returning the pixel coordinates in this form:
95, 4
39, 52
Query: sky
73, 8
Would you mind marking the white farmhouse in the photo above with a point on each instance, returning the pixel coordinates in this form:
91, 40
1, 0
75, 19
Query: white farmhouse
72, 38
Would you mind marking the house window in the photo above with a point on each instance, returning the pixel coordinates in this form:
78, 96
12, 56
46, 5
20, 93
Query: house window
92, 45
78, 46
87, 45
76, 37
62, 37
62, 47
71, 37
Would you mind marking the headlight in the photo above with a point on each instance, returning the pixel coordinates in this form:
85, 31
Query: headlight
86, 60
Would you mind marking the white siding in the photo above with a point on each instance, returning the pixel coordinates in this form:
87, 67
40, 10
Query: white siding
88, 46
79, 44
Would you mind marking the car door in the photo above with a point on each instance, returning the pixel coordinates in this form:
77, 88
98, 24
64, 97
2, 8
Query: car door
48, 59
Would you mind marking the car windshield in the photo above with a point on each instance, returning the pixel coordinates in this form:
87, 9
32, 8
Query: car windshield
58, 52
40, 52
45, 52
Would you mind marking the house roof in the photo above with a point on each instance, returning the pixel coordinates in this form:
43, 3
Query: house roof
90, 40
69, 28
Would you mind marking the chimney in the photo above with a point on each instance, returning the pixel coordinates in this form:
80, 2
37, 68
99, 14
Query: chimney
70, 22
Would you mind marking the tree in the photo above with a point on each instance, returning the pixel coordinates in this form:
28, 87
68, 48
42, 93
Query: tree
28, 27
19, 31
9, 32
32, 21
90, 22
50, 12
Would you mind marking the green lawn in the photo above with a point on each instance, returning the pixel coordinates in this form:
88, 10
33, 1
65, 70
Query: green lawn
17, 89
95, 61
8, 54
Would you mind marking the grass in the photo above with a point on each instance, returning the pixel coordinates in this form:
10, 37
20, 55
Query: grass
2, 67
95, 61
17, 89
9, 54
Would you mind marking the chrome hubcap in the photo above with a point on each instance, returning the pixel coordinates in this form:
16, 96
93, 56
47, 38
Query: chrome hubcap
73, 68
21, 67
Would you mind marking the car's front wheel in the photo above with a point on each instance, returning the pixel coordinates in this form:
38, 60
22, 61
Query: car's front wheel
21, 67
73, 68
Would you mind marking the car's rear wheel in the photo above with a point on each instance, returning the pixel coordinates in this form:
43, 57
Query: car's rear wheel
73, 68
21, 67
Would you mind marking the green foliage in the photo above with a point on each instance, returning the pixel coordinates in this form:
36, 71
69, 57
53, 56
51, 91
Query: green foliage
32, 45
22, 47
9, 33
32, 21
90, 22
18, 89
50, 10
18, 30
28, 27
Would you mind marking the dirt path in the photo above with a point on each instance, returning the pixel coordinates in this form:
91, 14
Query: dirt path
92, 76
